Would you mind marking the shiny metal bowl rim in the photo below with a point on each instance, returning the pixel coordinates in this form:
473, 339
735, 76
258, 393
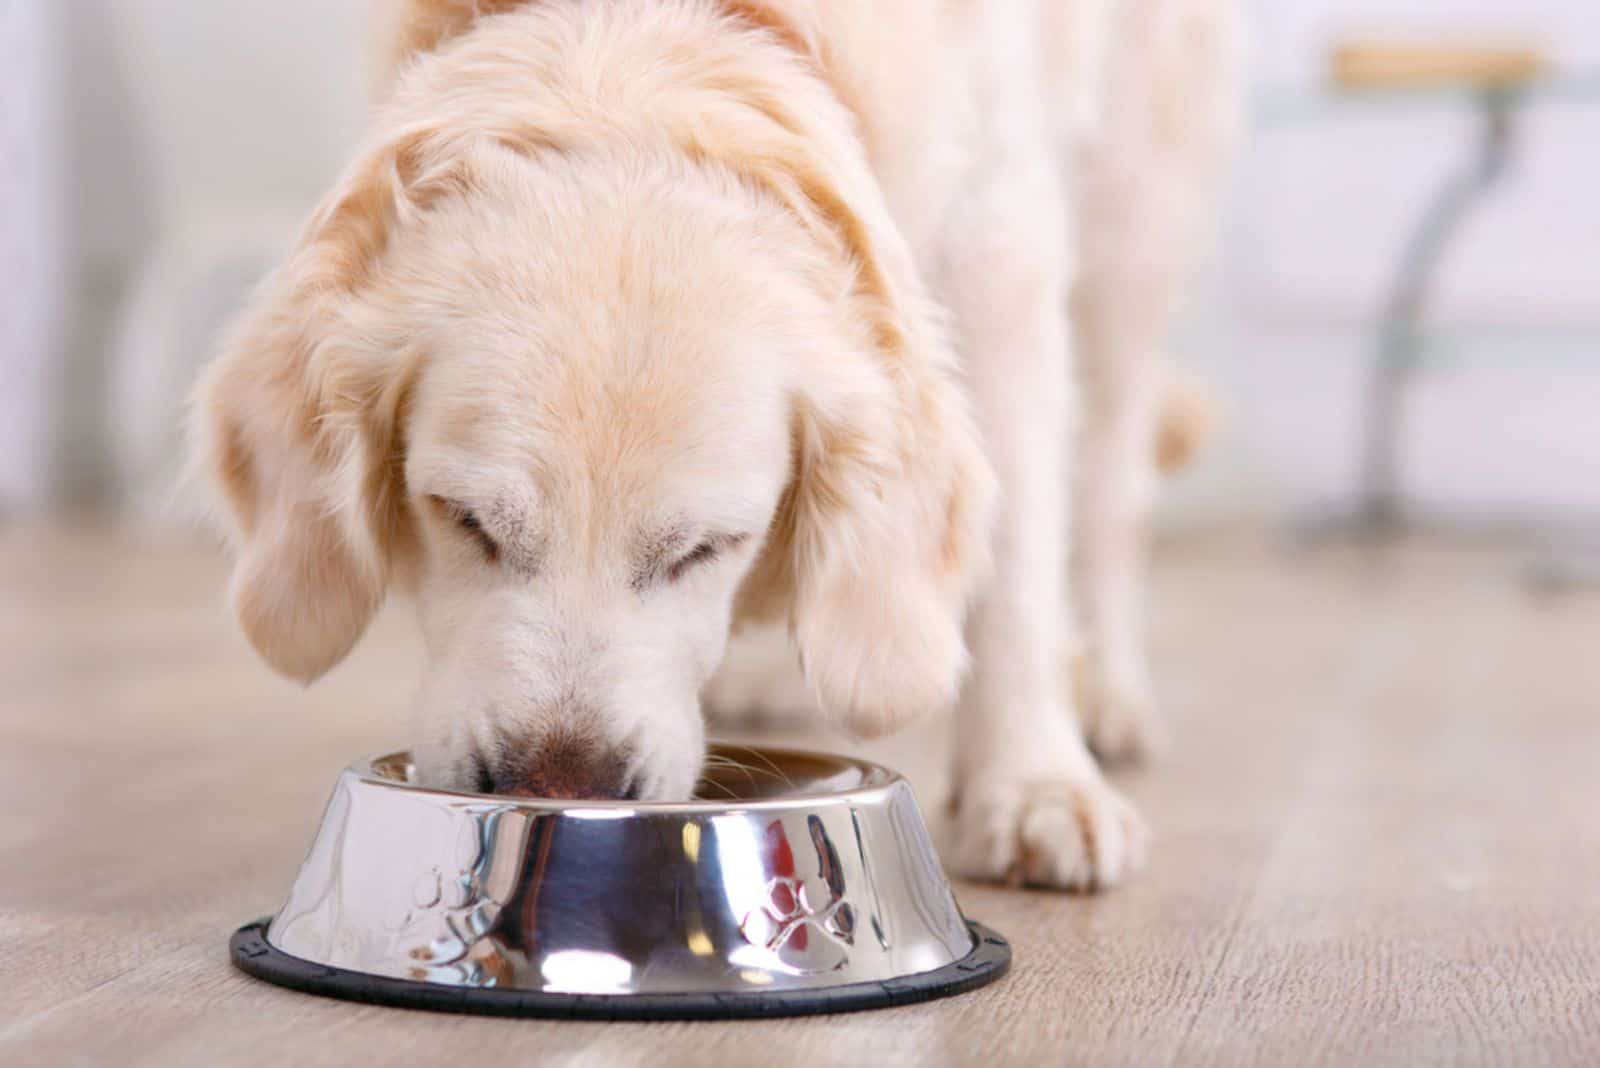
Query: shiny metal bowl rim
877, 781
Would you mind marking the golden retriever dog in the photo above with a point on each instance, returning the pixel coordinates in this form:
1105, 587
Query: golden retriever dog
636, 322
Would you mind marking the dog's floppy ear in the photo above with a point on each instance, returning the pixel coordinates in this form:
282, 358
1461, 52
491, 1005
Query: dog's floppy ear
297, 426
888, 521
884, 530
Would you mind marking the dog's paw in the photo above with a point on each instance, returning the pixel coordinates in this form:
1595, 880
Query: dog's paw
1070, 833
1119, 720
759, 682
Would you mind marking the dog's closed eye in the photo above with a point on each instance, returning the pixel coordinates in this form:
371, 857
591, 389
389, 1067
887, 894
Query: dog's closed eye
657, 566
707, 550
467, 520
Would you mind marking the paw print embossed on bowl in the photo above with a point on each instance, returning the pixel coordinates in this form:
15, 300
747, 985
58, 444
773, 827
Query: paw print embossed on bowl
805, 919
791, 926
454, 908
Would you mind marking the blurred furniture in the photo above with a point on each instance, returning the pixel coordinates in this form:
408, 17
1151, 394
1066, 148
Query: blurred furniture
1387, 64
1497, 81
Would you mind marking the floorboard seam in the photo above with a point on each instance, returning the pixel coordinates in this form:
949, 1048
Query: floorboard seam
18, 1028
1207, 990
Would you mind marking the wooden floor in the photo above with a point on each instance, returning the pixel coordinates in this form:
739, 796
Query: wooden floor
1377, 837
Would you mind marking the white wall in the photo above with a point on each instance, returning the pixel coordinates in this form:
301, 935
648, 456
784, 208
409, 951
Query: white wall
34, 242
210, 108
178, 119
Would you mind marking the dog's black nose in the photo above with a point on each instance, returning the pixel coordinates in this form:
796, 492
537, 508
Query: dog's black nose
568, 766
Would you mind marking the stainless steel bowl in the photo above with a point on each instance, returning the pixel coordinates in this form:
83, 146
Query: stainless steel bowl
808, 884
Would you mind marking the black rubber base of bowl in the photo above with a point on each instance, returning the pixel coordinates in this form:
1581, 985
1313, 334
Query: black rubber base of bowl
252, 953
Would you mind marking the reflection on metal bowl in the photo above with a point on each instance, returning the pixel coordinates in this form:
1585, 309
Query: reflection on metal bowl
808, 885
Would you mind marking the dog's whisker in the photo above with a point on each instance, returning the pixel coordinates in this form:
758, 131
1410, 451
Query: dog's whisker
770, 768
732, 796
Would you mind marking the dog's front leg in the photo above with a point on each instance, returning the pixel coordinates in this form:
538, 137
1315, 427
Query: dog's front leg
1029, 803
1120, 322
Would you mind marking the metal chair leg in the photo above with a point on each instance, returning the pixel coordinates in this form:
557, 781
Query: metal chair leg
1400, 328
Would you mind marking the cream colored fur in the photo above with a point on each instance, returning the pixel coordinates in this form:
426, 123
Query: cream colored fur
634, 319
1150, 116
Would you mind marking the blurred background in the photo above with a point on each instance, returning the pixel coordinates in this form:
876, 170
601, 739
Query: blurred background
156, 157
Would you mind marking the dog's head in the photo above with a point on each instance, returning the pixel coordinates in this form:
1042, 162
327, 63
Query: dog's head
587, 406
